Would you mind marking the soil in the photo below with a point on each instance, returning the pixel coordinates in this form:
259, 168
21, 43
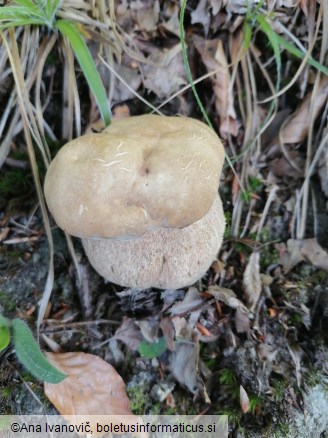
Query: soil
260, 360
277, 353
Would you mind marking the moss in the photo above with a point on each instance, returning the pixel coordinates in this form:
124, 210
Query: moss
7, 302
5, 393
15, 181
317, 277
279, 386
295, 319
209, 355
313, 377
234, 415
171, 410
269, 255
138, 399
282, 430
255, 403
227, 377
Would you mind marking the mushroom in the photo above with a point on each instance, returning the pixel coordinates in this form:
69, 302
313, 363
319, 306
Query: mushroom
143, 196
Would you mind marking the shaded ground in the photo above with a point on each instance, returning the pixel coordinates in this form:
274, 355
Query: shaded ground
276, 349
278, 355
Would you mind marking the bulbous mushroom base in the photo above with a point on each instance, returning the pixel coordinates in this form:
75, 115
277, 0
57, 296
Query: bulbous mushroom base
165, 258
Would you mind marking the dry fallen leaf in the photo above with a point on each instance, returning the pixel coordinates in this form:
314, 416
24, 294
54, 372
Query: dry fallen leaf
308, 250
242, 322
165, 73
184, 361
172, 24
243, 400
267, 352
296, 128
192, 302
184, 367
296, 353
291, 167
201, 15
228, 297
148, 15
168, 332
252, 280
93, 387
129, 333
149, 328
213, 56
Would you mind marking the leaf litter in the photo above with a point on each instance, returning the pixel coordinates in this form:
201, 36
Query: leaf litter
93, 387
249, 313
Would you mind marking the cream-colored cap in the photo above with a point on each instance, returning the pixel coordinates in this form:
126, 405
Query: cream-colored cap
140, 174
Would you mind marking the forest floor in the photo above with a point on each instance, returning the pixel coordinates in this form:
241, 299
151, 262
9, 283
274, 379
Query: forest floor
249, 339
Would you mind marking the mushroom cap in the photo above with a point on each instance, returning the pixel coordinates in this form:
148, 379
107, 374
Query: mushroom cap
165, 258
141, 173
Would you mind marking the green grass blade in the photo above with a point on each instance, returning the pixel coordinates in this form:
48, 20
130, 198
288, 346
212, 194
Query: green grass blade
22, 22
247, 35
272, 36
28, 4
51, 9
4, 337
187, 66
88, 67
30, 355
4, 333
299, 54
13, 12
11, 16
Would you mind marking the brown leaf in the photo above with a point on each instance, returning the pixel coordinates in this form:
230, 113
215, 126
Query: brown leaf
267, 352
122, 93
149, 328
182, 328
235, 189
191, 302
165, 74
148, 15
252, 280
201, 15
216, 6
93, 387
293, 167
228, 297
173, 24
296, 129
184, 367
307, 250
168, 332
129, 333
296, 354
242, 322
213, 56
243, 400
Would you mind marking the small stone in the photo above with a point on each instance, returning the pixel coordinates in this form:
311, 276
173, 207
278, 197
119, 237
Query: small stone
162, 390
